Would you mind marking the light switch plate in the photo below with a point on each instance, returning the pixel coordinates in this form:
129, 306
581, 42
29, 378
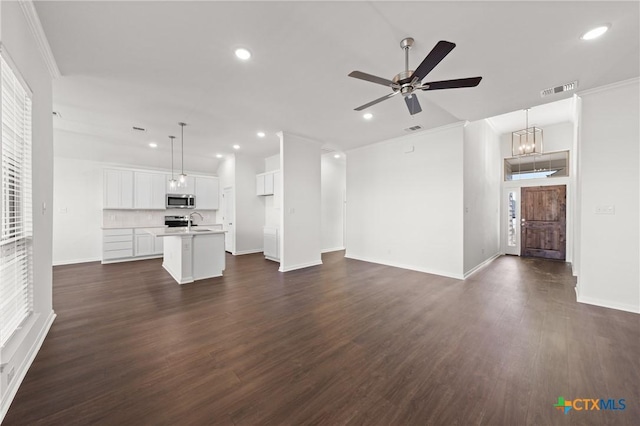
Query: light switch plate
608, 209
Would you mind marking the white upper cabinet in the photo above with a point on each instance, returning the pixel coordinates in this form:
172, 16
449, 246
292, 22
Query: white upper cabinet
260, 184
188, 188
118, 189
207, 193
150, 191
265, 183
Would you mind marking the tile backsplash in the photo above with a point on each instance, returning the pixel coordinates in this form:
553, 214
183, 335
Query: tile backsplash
150, 218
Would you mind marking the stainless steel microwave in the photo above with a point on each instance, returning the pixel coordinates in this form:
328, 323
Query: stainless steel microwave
181, 201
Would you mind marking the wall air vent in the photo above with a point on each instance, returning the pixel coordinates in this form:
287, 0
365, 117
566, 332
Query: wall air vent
138, 129
412, 128
558, 89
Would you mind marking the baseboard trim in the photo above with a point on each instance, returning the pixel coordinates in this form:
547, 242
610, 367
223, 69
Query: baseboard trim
405, 266
241, 252
132, 259
329, 250
186, 280
608, 304
74, 261
22, 370
482, 265
299, 266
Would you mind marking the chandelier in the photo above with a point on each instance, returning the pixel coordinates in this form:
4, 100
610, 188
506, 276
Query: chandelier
527, 141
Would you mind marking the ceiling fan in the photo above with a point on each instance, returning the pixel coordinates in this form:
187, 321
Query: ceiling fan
409, 81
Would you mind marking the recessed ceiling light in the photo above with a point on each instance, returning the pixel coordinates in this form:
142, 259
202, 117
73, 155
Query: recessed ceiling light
218, 155
243, 54
336, 156
368, 116
153, 144
261, 134
595, 33
236, 147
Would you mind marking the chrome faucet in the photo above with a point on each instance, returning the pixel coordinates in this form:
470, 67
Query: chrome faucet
191, 218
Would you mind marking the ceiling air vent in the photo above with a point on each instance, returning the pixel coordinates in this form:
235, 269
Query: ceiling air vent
558, 89
138, 129
412, 128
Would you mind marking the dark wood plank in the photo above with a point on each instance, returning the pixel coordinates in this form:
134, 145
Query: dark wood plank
346, 342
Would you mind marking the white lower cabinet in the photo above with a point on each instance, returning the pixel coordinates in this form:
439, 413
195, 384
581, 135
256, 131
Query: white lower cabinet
144, 244
127, 244
117, 244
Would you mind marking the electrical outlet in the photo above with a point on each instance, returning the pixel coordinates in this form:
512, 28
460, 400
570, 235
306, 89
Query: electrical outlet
10, 374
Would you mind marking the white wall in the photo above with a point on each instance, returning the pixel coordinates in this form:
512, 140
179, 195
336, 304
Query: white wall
77, 206
406, 209
482, 165
249, 208
23, 346
271, 210
333, 173
227, 176
609, 164
300, 212
557, 137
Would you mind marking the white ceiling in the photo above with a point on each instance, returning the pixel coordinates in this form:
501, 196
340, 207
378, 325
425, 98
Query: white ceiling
152, 64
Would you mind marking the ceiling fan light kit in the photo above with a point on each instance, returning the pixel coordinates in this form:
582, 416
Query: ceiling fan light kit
409, 81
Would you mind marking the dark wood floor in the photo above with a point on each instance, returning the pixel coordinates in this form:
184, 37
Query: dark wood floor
347, 342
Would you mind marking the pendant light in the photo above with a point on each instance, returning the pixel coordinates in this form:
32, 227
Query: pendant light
172, 182
527, 141
182, 180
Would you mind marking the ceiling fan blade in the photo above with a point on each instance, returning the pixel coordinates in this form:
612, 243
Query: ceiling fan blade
451, 84
434, 57
372, 78
413, 104
384, 98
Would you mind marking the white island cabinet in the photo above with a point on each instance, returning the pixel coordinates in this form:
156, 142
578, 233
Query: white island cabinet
192, 255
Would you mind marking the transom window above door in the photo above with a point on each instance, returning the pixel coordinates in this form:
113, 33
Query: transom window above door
542, 166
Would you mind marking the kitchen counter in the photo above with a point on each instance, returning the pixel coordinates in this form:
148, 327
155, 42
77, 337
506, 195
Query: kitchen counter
157, 226
191, 255
172, 232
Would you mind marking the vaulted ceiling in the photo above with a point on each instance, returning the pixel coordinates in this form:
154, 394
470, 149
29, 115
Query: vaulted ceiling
152, 64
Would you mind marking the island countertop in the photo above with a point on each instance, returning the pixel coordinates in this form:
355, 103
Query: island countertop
177, 232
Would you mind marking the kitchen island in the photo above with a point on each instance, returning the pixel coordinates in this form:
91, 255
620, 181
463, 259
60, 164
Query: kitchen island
192, 254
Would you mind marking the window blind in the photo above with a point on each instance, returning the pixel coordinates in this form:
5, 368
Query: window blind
16, 226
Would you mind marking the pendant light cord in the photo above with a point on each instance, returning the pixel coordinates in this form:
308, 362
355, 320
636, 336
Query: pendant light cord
182, 146
172, 138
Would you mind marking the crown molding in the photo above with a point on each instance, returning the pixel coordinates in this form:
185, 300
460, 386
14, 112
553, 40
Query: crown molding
35, 26
606, 87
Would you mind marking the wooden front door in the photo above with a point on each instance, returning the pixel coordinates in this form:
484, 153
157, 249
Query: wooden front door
543, 222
